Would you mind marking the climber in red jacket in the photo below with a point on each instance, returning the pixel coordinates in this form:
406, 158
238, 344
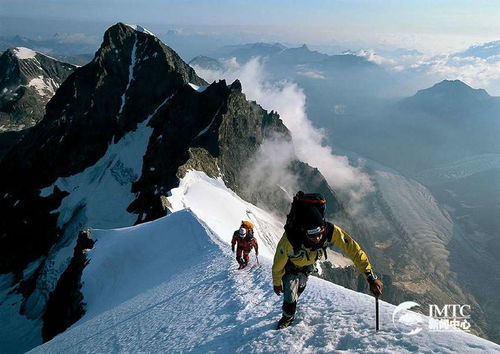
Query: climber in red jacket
245, 241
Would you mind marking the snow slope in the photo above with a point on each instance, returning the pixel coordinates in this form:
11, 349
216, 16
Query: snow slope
222, 209
170, 285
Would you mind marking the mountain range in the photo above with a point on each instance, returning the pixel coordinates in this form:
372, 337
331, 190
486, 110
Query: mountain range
115, 139
124, 131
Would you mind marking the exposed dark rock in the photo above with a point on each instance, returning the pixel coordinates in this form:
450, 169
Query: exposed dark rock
199, 160
65, 305
220, 133
9, 139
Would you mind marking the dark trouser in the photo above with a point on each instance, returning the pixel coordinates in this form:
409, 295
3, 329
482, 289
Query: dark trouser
242, 256
293, 285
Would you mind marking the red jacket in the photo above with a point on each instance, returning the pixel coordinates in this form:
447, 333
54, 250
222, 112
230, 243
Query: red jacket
244, 243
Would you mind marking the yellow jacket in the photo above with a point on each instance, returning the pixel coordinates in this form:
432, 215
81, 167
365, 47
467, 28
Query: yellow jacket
306, 256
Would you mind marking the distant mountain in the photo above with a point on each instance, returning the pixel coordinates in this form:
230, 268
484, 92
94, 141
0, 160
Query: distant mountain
57, 45
206, 63
329, 81
438, 125
451, 89
277, 55
483, 51
116, 138
245, 52
299, 55
79, 60
28, 80
449, 96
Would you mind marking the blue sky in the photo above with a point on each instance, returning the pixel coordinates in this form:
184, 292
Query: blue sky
438, 25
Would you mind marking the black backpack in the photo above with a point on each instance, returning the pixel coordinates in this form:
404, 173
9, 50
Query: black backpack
293, 227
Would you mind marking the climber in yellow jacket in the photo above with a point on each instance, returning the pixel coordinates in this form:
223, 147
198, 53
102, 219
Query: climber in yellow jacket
295, 258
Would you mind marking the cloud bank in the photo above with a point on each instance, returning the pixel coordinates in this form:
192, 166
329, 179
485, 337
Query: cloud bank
475, 71
289, 100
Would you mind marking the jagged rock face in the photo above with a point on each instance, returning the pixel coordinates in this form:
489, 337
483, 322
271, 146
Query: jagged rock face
27, 82
224, 132
131, 75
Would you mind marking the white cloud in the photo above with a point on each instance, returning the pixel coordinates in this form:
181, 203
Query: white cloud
312, 74
372, 56
269, 166
474, 71
289, 100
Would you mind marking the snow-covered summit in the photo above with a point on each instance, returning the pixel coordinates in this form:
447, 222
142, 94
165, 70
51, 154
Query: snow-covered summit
24, 53
171, 285
141, 29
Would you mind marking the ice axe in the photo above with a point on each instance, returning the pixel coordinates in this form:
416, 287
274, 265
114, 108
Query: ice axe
376, 313
257, 258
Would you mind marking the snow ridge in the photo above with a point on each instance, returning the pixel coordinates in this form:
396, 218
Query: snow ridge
150, 290
171, 285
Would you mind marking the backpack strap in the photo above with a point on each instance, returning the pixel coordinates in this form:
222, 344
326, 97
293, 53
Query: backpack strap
295, 239
329, 236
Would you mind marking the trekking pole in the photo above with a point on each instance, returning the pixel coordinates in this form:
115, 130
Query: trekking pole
376, 313
257, 258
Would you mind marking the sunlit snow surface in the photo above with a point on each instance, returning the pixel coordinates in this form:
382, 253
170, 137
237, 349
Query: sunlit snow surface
171, 285
139, 28
24, 53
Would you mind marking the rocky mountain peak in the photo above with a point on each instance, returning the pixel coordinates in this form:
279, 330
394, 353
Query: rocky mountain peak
28, 80
126, 43
21, 65
452, 99
452, 89
236, 85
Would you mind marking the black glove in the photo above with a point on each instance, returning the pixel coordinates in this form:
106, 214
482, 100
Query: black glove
278, 289
232, 249
376, 287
